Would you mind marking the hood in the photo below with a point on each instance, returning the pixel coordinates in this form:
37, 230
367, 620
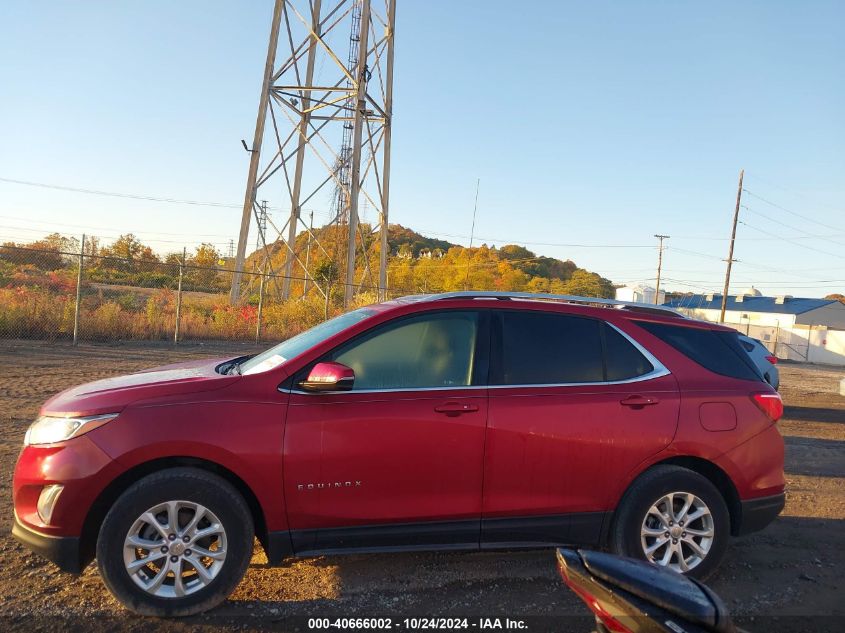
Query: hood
111, 395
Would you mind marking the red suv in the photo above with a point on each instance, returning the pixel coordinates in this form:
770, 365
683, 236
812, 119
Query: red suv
455, 421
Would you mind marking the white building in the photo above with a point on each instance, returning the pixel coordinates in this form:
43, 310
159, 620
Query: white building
639, 294
750, 308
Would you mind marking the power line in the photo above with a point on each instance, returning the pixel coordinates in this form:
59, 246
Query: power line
786, 239
101, 228
807, 234
142, 237
523, 242
689, 252
115, 194
795, 213
795, 192
134, 196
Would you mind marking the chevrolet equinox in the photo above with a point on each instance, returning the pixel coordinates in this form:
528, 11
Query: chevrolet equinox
460, 421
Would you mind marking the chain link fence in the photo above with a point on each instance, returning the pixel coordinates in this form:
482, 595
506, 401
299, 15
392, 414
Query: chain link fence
73, 292
801, 343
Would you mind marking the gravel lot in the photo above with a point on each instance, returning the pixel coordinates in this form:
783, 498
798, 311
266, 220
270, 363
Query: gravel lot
772, 580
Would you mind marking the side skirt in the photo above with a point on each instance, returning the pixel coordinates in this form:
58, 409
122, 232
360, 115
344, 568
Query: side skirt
583, 529
431, 535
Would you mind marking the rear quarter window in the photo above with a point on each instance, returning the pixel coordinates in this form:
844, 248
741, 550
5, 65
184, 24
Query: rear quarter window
720, 352
623, 361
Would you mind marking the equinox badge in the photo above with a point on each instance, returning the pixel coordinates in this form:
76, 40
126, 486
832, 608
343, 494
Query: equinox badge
330, 484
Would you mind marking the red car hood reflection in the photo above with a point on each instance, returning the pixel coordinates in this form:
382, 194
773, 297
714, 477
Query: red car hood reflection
111, 395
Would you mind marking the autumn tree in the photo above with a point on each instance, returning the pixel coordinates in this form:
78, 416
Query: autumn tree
586, 284
203, 265
49, 253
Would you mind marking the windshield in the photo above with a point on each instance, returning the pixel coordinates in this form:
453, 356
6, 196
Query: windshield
275, 356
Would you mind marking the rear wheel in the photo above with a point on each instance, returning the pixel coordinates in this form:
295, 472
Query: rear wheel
176, 543
673, 517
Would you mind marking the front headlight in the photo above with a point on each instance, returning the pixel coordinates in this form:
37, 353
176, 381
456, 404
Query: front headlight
49, 430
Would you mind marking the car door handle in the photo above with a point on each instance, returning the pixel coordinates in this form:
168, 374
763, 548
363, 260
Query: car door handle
638, 401
455, 408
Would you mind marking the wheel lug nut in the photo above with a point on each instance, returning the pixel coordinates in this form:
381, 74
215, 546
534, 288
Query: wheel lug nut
681, 524
674, 541
187, 552
164, 549
683, 533
171, 537
185, 539
173, 559
671, 523
666, 534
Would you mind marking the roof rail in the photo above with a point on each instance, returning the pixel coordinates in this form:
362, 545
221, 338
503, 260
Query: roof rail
543, 296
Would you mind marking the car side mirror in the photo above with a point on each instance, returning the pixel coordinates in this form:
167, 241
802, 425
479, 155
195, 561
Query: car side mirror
329, 376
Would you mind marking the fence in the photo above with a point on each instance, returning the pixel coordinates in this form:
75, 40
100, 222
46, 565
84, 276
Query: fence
81, 295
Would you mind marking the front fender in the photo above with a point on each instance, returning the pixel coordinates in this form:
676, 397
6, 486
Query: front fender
245, 438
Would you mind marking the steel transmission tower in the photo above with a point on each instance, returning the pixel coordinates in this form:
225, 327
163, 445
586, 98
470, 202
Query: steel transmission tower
322, 135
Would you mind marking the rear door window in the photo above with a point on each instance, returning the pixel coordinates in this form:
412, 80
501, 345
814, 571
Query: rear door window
720, 352
544, 348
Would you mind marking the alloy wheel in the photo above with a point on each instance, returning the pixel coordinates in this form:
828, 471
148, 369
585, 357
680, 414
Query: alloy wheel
677, 531
175, 549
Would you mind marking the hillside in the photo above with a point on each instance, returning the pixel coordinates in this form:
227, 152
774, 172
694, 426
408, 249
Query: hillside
423, 264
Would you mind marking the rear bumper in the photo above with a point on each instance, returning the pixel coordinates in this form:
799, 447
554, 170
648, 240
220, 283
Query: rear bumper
758, 513
61, 550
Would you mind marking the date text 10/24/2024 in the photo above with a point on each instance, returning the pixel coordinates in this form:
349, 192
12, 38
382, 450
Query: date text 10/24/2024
422, 623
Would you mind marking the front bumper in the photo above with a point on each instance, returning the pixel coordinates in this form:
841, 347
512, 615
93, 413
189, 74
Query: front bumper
64, 551
758, 513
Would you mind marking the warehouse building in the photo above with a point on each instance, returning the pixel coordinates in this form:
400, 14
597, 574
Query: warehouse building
751, 307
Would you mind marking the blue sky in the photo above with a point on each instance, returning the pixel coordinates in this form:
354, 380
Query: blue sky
593, 123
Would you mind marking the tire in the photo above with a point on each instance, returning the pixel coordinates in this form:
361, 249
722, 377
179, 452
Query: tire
222, 528
636, 527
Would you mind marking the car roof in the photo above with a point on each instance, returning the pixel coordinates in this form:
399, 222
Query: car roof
592, 306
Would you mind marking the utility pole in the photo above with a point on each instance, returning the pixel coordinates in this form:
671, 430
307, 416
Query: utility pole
472, 233
179, 295
78, 292
308, 254
731, 248
255, 152
659, 266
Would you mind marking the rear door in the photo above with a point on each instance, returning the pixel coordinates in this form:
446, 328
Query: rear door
575, 404
398, 460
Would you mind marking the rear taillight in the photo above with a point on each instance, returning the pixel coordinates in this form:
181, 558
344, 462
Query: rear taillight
772, 359
770, 404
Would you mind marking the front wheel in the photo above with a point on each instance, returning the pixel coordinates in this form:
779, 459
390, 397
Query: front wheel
673, 517
176, 543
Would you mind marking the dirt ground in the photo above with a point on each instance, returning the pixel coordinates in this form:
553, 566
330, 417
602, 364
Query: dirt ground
773, 580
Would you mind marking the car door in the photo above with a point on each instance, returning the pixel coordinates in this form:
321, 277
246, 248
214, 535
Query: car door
575, 404
397, 461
